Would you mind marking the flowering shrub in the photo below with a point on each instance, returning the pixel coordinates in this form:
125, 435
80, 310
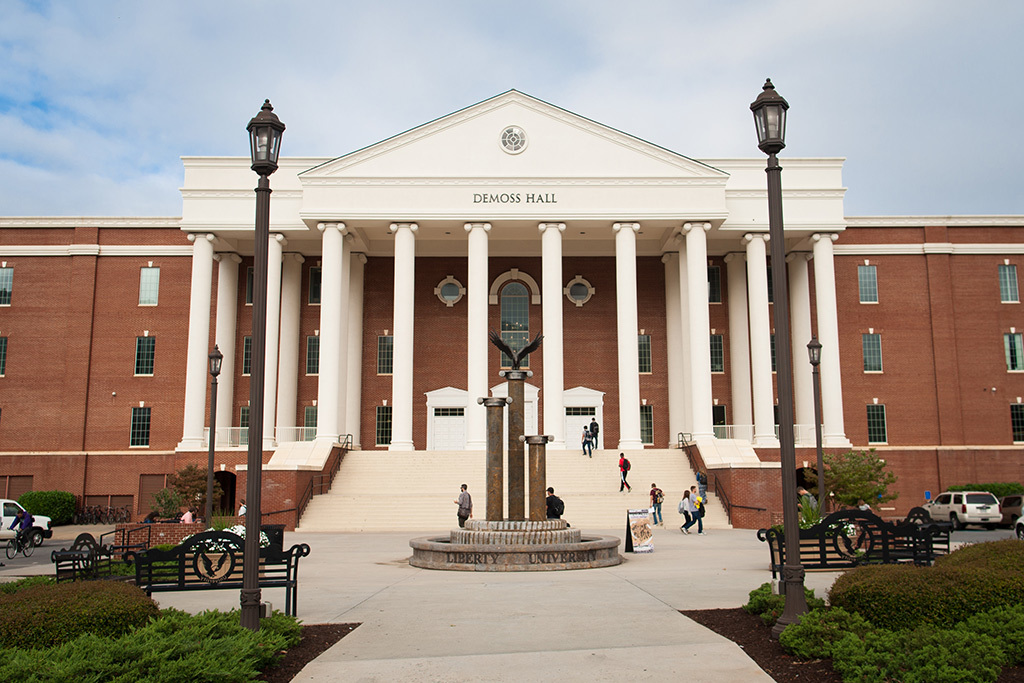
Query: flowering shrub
237, 530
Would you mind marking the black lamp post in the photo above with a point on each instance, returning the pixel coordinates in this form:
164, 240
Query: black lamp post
770, 120
216, 358
814, 354
265, 131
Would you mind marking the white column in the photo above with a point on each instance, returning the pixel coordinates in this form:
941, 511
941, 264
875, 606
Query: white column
551, 286
673, 342
332, 268
343, 296
404, 311
275, 254
626, 332
760, 341
354, 389
800, 325
476, 335
700, 328
684, 346
197, 358
833, 431
227, 327
288, 368
739, 341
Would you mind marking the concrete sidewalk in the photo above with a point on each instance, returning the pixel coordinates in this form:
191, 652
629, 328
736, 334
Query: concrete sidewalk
613, 624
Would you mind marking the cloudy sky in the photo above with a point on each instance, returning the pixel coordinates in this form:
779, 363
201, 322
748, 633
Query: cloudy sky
99, 99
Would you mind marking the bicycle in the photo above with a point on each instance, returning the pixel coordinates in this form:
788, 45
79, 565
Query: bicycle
20, 542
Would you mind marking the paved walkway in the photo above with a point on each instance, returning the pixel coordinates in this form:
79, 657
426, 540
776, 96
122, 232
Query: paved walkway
614, 624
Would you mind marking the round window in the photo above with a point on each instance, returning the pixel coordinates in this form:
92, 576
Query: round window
450, 291
579, 292
513, 139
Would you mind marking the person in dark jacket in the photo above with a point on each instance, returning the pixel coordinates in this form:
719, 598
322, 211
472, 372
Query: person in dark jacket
555, 505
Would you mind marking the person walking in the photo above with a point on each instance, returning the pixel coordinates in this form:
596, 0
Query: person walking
465, 503
684, 510
623, 472
657, 498
702, 484
595, 429
588, 445
696, 507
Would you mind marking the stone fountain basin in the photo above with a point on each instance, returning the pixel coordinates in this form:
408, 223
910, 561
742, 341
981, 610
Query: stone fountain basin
440, 552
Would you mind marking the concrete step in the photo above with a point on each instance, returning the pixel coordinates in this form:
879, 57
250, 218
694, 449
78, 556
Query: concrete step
416, 490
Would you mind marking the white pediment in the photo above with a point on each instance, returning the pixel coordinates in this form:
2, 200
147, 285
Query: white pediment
467, 145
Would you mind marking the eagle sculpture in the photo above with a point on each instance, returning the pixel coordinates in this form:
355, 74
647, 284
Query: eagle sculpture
516, 356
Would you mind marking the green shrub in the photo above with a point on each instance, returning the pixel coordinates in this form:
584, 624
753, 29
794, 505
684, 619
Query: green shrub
998, 489
924, 655
59, 506
1007, 554
1006, 625
28, 582
902, 597
770, 606
211, 646
814, 635
45, 615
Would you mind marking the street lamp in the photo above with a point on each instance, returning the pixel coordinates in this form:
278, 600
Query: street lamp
814, 354
770, 121
265, 131
216, 358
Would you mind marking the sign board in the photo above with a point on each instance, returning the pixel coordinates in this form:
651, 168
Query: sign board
639, 537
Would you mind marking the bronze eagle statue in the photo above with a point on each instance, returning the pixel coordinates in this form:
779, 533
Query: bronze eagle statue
516, 356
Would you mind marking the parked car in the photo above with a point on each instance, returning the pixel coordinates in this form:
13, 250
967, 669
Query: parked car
9, 510
1019, 528
965, 507
1010, 506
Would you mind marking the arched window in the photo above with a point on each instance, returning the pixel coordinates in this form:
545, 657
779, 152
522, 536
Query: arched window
515, 320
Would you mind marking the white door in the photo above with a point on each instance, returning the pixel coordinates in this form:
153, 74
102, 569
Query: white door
576, 418
449, 429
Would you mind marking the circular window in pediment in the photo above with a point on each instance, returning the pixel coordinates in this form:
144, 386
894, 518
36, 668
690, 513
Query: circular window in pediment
513, 139
450, 291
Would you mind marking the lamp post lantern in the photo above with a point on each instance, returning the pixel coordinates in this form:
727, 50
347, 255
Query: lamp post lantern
814, 354
216, 358
770, 121
265, 131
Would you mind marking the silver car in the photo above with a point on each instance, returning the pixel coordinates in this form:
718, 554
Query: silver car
966, 507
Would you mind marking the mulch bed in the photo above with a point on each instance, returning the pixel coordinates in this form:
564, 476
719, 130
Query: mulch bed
748, 631
315, 639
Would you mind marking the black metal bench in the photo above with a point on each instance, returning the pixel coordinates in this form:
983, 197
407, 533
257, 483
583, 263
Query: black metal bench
87, 558
849, 538
214, 560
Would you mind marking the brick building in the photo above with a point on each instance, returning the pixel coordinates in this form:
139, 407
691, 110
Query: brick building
646, 271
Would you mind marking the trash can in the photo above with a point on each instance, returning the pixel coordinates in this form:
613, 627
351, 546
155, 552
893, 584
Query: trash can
275, 534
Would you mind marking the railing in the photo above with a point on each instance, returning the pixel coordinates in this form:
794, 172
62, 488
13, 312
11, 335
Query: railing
744, 432
684, 439
295, 434
234, 437
321, 483
228, 437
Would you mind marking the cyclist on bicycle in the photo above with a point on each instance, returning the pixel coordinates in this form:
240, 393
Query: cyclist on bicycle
24, 521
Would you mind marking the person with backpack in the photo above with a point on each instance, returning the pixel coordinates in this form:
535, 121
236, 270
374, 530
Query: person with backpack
684, 510
623, 471
588, 446
555, 505
594, 430
657, 498
697, 508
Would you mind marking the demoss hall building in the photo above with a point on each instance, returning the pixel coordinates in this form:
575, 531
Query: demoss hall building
645, 270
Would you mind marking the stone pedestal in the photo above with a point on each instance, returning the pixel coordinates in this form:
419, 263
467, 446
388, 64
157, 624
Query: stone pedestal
515, 546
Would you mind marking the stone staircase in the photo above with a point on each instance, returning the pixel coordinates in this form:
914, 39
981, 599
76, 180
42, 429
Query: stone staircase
415, 490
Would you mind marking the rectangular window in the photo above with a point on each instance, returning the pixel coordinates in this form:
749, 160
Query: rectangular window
314, 284
647, 424
249, 284
644, 341
578, 410
876, 424
383, 425
1014, 346
1017, 421
243, 423
714, 285
385, 354
3, 356
149, 286
771, 287
717, 353
872, 344
867, 283
773, 352
145, 355
1008, 284
312, 355
309, 423
140, 427
247, 355
6, 285
449, 412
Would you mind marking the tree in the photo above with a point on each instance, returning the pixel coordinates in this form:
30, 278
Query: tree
190, 483
858, 475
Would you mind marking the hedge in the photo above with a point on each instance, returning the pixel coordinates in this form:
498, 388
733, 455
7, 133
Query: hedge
59, 506
998, 489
